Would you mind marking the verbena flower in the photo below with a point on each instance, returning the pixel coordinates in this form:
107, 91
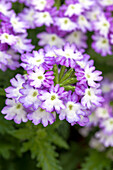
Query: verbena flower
103, 118
15, 111
51, 86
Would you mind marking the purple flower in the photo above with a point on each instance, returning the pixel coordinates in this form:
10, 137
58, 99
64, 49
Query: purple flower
14, 110
77, 37
74, 9
92, 96
8, 38
5, 8
38, 77
13, 91
4, 57
73, 109
13, 63
36, 59
102, 25
23, 44
43, 18
42, 116
29, 97
68, 56
101, 45
88, 75
42, 4
27, 16
18, 25
83, 24
107, 125
52, 99
65, 24
105, 139
51, 39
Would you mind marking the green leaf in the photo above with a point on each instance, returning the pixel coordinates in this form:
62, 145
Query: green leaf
97, 161
23, 133
47, 156
58, 140
62, 71
55, 69
44, 152
5, 149
67, 75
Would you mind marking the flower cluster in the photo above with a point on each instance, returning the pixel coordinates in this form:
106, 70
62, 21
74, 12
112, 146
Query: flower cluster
72, 22
59, 81
102, 117
13, 37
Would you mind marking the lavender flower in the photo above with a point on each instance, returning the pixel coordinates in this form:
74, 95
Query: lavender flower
42, 116
15, 111
52, 87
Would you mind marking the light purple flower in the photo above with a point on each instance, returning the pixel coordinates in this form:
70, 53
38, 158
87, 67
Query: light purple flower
5, 8
89, 75
68, 56
43, 18
13, 91
74, 9
77, 37
42, 116
65, 24
27, 15
4, 57
51, 39
92, 96
105, 139
42, 4
73, 109
15, 111
29, 96
102, 26
38, 77
23, 44
10, 39
18, 25
101, 45
38, 58
52, 99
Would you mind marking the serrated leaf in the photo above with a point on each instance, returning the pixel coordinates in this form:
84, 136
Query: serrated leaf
58, 140
47, 156
23, 133
44, 152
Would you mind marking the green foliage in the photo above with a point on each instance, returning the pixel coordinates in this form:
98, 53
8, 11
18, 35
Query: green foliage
40, 141
97, 161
